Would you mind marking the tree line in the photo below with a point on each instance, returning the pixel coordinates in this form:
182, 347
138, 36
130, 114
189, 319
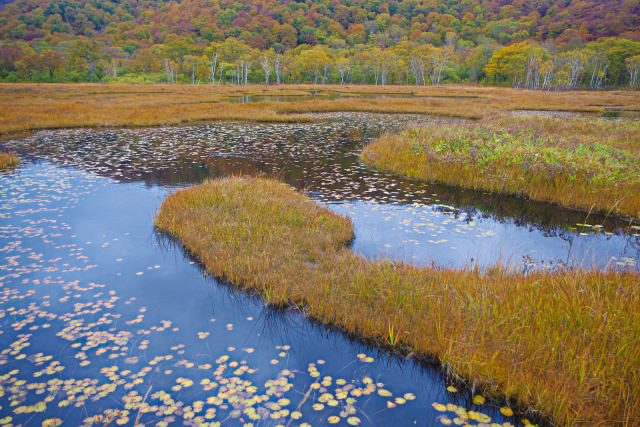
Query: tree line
608, 62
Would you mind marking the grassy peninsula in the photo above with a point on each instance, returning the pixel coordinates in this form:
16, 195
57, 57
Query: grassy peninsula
560, 342
582, 163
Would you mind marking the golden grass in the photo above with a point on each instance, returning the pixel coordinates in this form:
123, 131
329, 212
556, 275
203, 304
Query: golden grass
29, 107
588, 164
38, 106
466, 109
564, 342
7, 160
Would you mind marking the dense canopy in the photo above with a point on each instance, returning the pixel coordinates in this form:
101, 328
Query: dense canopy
155, 40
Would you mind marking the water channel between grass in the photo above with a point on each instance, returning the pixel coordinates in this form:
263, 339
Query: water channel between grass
102, 316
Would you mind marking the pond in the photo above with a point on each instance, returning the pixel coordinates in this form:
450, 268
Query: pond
103, 320
321, 95
393, 217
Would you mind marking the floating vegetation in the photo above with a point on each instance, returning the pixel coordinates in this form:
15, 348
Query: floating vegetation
461, 416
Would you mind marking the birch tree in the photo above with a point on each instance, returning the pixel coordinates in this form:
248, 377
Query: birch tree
633, 67
266, 61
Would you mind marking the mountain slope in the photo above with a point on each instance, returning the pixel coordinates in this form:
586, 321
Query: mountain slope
266, 23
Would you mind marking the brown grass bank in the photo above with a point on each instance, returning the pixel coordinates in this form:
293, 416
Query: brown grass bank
7, 160
564, 342
588, 164
31, 107
37, 106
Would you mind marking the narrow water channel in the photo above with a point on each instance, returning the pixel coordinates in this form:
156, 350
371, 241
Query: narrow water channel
102, 318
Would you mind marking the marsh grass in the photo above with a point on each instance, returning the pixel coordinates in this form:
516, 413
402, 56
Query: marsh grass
588, 164
7, 160
413, 105
31, 107
563, 342
39, 106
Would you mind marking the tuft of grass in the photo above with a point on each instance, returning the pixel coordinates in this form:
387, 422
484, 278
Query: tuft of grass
562, 342
7, 160
588, 164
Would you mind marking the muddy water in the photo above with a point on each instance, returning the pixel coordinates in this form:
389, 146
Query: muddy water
105, 321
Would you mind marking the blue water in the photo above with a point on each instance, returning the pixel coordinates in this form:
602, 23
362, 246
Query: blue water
105, 321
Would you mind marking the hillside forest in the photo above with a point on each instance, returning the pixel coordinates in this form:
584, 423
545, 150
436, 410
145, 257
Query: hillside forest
536, 44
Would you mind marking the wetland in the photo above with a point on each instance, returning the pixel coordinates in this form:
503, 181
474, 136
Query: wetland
107, 320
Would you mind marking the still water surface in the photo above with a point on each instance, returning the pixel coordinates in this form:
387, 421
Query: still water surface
101, 316
393, 217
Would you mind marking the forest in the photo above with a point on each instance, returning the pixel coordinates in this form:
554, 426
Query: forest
545, 44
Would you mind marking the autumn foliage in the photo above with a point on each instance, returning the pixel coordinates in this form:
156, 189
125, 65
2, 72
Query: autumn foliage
543, 44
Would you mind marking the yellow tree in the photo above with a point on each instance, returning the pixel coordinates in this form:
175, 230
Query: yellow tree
267, 62
316, 63
438, 58
507, 64
237, 56
419, 60
343, 65
574, 64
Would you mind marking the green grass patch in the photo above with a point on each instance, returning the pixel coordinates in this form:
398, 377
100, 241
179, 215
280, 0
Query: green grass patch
7, 160
589, 164
562, 342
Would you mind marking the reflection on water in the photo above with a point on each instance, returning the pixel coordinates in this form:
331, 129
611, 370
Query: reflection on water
393, 217
104, 322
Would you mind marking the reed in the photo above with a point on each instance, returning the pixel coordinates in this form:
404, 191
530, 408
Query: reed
587, 164
7, 160
562, 342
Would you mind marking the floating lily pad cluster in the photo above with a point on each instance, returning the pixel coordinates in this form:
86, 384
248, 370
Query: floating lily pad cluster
425, 223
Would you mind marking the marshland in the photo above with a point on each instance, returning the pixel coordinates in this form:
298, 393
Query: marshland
335, 254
